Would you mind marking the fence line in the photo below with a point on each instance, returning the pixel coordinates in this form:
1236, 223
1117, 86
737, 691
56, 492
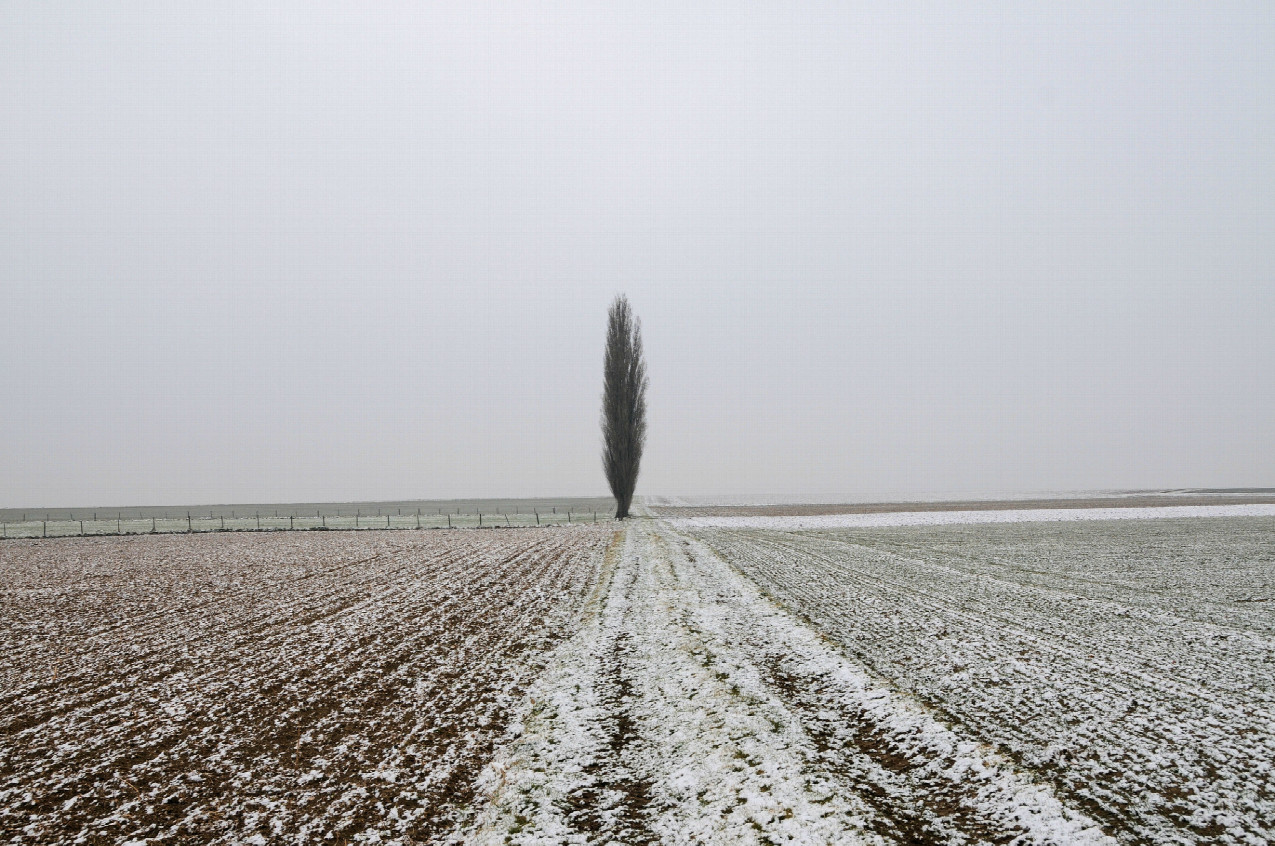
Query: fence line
190, 523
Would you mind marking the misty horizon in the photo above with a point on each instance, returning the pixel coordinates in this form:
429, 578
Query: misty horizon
309, 253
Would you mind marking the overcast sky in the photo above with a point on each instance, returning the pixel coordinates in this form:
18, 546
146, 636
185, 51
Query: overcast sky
304, 252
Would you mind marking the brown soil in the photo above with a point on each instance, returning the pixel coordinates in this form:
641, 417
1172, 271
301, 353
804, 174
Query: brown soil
294, 686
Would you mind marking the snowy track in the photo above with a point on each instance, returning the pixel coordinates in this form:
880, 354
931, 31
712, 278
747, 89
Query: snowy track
691, 709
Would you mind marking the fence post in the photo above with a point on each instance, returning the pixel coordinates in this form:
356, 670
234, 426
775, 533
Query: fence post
568, 515
289, 523
223, 521
152, 525
356, 520
81, 528
537, 518
418, 518
117, 526
325, 521
449, 519
188, 529
6, 530
387, 521
480, 519
44, 531
258, 520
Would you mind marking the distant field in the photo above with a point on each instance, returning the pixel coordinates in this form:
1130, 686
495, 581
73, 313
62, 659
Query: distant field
1133, 499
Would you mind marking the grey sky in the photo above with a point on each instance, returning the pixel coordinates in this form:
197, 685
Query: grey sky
316, 253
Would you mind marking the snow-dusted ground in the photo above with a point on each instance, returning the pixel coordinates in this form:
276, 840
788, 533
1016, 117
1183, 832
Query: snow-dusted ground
677, 681
937, 518
281, 688
1130, 664
692, 709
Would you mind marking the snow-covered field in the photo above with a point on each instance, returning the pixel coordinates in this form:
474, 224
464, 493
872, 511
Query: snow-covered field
1079, 681
292, 687
1129, 664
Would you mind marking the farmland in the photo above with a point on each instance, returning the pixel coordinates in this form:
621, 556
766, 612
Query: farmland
692, 709
1131, 665
233, 688
864, 679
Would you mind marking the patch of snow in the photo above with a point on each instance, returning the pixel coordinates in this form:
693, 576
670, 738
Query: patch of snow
936, 518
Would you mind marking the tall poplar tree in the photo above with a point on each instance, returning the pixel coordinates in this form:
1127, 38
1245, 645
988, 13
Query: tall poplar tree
623, 403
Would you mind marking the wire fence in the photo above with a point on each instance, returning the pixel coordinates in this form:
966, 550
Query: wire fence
273, 521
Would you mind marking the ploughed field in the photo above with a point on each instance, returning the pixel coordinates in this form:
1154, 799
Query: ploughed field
245, 688
676, 681
1130, 665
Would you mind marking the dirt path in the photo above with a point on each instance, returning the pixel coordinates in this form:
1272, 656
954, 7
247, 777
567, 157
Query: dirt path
692, 709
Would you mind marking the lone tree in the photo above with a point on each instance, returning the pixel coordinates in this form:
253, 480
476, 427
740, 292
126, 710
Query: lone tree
623, 403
